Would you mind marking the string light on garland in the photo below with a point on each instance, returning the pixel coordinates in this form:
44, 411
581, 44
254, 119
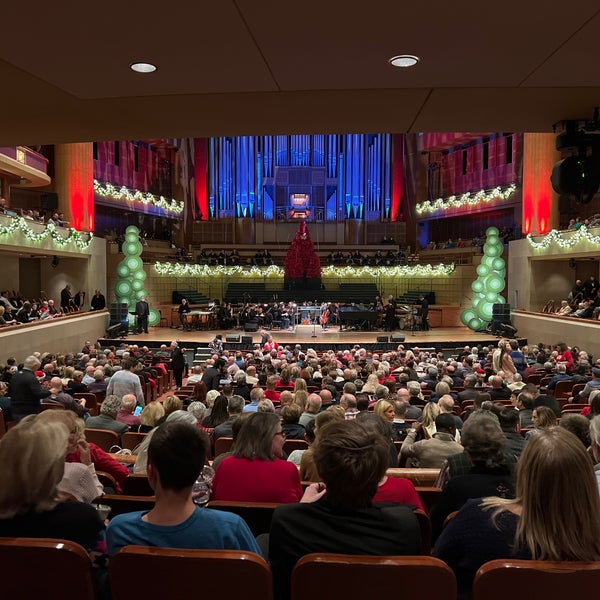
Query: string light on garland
108, 190
73, 237
396, 271
273, 271
564, 240
467, 199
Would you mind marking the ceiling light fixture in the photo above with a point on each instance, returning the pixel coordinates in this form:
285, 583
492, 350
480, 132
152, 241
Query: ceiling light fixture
404, 60
142, 67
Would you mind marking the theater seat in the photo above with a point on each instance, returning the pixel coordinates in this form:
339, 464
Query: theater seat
51, 569
326, 576
222, 574
531, 579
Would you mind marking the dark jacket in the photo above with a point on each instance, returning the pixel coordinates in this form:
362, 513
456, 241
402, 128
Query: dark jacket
26, 393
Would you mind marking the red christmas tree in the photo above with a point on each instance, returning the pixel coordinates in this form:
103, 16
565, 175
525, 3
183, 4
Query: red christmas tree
301, 260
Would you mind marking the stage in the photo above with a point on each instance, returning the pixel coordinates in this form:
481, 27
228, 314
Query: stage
309, 336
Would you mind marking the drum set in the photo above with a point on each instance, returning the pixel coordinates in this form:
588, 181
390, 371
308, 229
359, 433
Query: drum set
408, 317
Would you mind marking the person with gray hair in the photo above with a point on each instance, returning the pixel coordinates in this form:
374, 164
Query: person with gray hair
26, 391
235, 407
125, 414
265, 405
182, 416
126, 381
107, 419
313, 406
198, 409
483, 441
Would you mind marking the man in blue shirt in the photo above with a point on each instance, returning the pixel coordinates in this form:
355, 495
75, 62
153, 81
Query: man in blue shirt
176, 456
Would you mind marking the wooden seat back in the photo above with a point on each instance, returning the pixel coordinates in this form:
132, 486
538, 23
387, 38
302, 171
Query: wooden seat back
91, 401
325, 576
257, 515
223, 444
223, 574
549, 579
137, 485
52, 569
122, 503
103, 438
290, 445
131, 439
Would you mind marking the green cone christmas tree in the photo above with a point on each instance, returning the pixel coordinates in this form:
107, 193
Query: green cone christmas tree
488, 285
130, 286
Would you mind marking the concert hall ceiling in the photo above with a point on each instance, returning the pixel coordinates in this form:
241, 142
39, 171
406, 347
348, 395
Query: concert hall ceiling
272, 66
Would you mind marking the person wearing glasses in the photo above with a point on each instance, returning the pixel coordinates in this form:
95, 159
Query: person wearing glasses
255, 472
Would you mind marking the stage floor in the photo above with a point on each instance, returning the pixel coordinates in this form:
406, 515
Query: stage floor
307, 336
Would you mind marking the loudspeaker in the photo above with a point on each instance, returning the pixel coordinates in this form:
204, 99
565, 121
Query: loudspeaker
382, 338
118, 313
49, 202
232, 339
501, 313
247, 340
251, 326
397, 337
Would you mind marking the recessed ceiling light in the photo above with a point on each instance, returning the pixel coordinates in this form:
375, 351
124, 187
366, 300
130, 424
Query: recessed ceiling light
142, 67
404, 60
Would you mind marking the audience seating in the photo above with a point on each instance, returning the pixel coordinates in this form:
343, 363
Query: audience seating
52, 569
429, 495
419, 476
326, 576
107, 480
121, 503
425, 526
526, 579
258, 515
563, 389
148, 572
137, 485
535, 379
290, 445
574, 407
90, 401
51, 406
223, 444
578, 387
131, 439
103, 438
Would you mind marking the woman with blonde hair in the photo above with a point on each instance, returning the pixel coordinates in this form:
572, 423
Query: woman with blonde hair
542, 417
371, 384
79, 480
301, 398
506, 362
554, 516
151, 414
170, 404
300, 384
32, 455
430, 411
385, 410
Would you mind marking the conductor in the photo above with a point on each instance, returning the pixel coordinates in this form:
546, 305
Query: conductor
142, 311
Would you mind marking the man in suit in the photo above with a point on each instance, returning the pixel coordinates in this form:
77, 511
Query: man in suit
26, 391
142, 310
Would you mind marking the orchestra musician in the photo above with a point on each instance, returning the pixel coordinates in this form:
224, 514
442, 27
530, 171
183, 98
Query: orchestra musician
184, 308
390, 314
324, 319
225, 318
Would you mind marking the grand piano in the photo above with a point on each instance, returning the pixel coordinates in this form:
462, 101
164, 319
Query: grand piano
357, 316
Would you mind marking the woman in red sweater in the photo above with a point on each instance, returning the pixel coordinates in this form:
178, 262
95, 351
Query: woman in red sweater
255, 471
